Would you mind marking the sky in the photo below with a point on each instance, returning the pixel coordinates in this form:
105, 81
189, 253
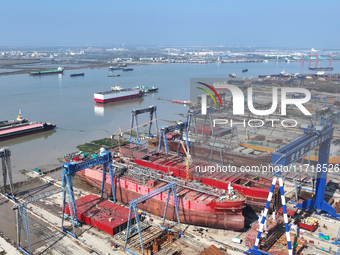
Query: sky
256, 23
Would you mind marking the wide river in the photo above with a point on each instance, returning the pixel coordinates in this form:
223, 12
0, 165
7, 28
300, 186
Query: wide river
68, 102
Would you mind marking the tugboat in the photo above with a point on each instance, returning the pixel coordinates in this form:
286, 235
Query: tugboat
232, 75
147, 89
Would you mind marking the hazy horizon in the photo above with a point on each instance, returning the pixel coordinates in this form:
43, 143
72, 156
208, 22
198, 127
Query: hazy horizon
258, 24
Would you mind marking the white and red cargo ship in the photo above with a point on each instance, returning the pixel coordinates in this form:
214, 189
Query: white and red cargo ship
117, 94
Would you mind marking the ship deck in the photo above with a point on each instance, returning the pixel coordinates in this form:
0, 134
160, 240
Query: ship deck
101, 214
20, 128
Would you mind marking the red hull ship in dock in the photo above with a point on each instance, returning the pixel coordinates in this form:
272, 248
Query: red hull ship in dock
204, 206
255, 188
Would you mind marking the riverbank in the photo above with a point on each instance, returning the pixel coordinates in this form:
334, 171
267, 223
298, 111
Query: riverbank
20, 64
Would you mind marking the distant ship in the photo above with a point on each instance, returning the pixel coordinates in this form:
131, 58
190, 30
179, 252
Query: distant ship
114, 75
146, 89
112, 68
244, 70
20, 127
77, 74
321, 68
57, 71
128, 69
116, 94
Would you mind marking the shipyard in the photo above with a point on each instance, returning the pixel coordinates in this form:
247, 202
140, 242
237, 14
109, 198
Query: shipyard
170, 128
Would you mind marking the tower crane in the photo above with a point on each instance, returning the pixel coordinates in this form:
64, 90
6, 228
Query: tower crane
187, 160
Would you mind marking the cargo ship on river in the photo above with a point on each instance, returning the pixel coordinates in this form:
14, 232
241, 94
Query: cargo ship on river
117, 94
198, 204
57, 71
20, 127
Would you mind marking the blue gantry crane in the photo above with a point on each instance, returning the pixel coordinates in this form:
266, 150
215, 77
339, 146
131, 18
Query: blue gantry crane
181, 126
5, 155
318, 136
134, 114
22, 218
70, 169
170, 187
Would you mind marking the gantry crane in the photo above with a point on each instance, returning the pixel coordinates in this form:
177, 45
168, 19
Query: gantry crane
5, 155
318, 136
70, 169
170, 187
22, 218
181, 126
134, 113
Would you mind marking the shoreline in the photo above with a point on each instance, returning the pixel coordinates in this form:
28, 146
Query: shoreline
25, 70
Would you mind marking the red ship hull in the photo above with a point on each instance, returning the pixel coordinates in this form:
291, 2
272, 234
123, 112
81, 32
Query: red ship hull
224, 215
116, 99
256, 191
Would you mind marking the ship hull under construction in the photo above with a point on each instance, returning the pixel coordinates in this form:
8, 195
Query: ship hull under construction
218, 215
255, 188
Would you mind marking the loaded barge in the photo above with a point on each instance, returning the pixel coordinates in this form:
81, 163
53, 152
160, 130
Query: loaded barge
15, 128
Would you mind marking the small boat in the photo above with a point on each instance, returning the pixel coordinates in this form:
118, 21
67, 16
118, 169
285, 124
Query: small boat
77, 74
244, 70
147, 89
128, 69
232, 75
113, 68
180, 102
319, 73
113, 75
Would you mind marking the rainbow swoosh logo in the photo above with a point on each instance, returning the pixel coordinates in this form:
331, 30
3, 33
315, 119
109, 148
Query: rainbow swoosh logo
209, 93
